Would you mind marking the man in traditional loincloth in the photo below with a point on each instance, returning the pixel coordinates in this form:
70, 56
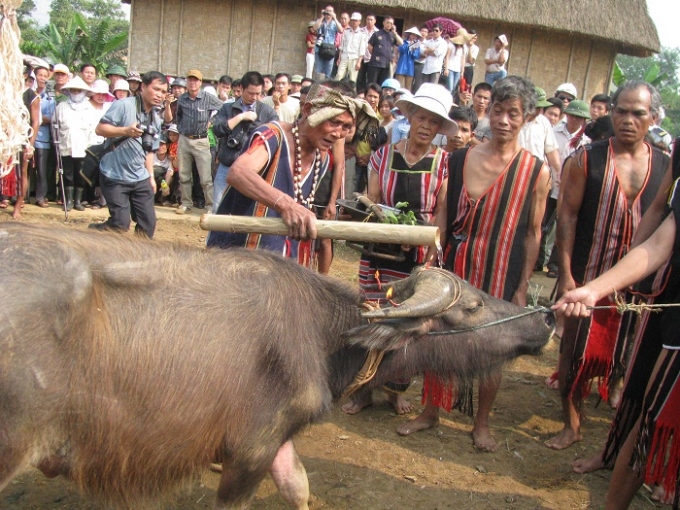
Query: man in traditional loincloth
491, 230
605, 190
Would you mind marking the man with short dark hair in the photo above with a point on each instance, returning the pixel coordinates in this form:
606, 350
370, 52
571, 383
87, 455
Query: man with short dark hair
494, 187
224, 87
606, 188
286, 108
127, 177
234, 123
599, 106
194, 109
381, 45
481, 98
434, 50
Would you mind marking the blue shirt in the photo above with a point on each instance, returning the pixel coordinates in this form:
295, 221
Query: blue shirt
408, 53
127, 162
47, 107
328, 31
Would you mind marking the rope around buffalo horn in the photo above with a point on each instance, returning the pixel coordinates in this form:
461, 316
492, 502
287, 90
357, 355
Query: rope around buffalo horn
370, 366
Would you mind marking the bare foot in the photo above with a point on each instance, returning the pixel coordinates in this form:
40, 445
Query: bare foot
564, 439
553, 382
422, 422
660, 495
400, 404
483, 439
16, 214
589, 465
615, 395
355, 406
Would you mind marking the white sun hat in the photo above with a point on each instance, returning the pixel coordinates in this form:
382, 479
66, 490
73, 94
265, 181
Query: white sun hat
435, 99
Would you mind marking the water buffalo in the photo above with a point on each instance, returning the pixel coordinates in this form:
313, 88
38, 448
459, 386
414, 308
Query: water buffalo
129, 366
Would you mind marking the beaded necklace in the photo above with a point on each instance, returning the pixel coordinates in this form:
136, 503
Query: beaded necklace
297, 172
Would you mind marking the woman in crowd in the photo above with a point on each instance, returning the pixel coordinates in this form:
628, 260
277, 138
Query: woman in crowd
385, 109
121, 89
100, 100
278, 173
495, 60
135, 82
409, 51
412, 171
75, 120
454, 63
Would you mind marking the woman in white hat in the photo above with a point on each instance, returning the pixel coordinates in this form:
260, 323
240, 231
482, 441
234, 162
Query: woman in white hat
121, 89
75, 121
100, 99
415, 171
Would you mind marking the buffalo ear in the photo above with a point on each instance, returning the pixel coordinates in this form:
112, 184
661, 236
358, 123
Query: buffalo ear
388, 335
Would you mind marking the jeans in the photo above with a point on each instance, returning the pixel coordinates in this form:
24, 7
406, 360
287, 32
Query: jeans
220, 185
492, 78
324, 67
452, 81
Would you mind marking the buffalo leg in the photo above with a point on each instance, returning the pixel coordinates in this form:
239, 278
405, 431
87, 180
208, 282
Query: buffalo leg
239, 482
290, 477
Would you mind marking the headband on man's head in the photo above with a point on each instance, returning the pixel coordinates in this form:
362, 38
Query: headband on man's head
328, 103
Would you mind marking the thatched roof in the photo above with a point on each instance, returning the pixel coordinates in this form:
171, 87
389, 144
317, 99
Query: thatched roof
625, 22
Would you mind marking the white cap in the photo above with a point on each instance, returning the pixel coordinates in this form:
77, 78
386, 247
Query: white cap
503, 39
356, 16
61, 68
568, 88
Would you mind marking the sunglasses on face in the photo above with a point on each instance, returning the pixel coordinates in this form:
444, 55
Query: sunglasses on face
565, 98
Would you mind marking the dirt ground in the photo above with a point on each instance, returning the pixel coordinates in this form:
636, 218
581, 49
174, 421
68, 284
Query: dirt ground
360, 463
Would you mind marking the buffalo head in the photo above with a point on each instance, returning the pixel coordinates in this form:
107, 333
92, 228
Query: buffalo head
445, 325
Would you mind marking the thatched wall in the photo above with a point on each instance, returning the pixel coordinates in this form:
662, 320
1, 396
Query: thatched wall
234, 36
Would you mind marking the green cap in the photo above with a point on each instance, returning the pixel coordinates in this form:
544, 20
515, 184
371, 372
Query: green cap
541, 103
117, 70
578, 108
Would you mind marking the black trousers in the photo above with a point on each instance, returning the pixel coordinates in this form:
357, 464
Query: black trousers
377, 75
129, 200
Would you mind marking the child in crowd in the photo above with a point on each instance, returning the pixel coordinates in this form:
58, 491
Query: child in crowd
173, 182
162, 172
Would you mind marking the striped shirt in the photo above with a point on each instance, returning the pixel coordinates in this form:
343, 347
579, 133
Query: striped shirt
193, 114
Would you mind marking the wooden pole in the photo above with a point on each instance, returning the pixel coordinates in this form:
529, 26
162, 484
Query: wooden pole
413, 235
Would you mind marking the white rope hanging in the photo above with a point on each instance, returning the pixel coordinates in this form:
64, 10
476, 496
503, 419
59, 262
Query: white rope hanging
14, 124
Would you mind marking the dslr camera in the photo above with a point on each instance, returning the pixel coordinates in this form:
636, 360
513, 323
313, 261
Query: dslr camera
148, 136
325, 12
238, 136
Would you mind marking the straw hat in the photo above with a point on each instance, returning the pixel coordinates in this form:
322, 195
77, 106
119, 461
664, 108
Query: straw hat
414, 31
435, 99
462, 37
77, 83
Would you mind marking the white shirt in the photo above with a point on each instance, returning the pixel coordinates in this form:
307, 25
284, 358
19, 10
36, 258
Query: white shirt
473, 52
367, 54
287, 111
353, 44
538, 137
433, 63
492, 54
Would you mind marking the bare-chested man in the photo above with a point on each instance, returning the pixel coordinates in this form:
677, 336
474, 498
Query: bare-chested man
605, 190
491, 229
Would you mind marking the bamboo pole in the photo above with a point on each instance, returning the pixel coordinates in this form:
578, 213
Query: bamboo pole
413, 235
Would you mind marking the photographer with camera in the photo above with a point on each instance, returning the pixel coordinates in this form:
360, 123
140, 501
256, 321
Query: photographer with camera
327, 27
235, 123
127, 177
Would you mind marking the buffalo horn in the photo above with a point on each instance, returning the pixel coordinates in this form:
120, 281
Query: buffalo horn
426, 293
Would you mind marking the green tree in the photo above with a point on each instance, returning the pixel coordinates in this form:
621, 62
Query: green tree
30, 34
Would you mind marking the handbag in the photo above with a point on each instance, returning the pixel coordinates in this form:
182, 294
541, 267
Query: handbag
327, 51
94, 154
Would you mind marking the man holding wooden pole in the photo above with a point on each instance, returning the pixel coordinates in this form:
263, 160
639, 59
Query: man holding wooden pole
278, 175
